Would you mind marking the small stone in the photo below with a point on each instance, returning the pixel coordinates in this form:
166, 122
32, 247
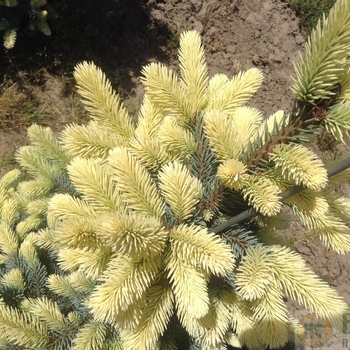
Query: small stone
198, 26
256, 59
299, 39
277, 58
305, 250
251, 18
267, 69
203, 12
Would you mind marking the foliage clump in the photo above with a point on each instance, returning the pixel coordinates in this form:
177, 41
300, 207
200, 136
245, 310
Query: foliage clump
114, 239
70, 22
310, 11
15, 13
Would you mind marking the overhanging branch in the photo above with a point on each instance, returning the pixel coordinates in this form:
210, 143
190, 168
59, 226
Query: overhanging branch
331, 171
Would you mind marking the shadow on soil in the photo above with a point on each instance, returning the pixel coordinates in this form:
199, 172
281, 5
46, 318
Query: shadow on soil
116, 35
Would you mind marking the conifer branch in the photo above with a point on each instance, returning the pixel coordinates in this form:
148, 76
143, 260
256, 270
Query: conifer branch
326, 56
332, 171
301, 120
100, 99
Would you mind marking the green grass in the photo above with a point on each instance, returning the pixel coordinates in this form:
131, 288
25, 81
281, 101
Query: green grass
309, 11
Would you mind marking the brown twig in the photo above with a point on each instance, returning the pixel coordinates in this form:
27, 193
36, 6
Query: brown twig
302, 118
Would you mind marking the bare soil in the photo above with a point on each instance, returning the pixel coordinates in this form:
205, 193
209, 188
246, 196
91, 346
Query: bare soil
237, 35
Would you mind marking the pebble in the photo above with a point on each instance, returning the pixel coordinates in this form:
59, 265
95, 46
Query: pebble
277, 57
203, 12
198, 26
303, 249
299, 39
256, 59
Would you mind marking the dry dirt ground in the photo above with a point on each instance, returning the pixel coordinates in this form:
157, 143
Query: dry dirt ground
237, 34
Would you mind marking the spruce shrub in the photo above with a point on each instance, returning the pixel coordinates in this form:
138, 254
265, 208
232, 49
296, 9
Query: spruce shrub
117, 236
